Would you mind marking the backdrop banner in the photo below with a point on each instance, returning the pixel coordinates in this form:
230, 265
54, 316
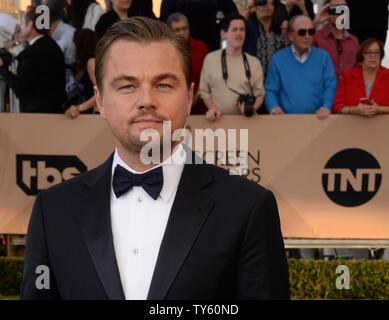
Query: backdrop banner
329, 177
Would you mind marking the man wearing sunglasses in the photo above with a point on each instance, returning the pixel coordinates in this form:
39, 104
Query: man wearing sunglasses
301, 78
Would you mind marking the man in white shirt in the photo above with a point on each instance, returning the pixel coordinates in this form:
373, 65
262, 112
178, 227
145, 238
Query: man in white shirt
133, 230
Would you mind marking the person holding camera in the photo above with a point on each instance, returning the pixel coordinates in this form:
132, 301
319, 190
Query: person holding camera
338, 42
301, 78
40, 80
7, 31
231, 81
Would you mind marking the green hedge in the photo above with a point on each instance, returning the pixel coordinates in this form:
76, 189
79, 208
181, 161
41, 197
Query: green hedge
309, 279
316, 279
11, 271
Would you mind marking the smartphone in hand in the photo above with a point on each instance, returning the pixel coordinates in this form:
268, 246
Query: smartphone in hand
366, 101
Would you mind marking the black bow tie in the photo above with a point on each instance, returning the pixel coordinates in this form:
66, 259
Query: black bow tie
124, 180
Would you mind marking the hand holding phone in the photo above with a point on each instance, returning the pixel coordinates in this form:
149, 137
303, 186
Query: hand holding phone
366, 101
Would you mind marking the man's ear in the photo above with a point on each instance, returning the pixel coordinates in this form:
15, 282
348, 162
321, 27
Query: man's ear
99, 102
29, 26
290, 36
222, 34
190, 98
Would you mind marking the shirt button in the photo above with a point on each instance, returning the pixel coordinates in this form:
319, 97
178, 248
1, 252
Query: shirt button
140, 199
135, 251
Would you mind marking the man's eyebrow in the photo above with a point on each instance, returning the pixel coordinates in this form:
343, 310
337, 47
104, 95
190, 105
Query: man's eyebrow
160, 77
166, 76
125, 78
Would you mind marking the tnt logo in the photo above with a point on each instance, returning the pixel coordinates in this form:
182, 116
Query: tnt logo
35, 173
352, 177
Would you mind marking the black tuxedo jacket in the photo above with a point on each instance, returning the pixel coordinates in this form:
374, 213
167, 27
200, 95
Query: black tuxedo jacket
40, 80
222, 240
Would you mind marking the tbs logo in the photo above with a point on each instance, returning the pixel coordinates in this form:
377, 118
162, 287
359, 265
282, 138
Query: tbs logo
35, 173
352, 177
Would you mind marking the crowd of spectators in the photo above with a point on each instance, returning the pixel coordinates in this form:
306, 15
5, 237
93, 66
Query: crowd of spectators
297, 62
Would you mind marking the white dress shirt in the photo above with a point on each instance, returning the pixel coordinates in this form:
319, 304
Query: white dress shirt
32, 41
300, 58
139, 223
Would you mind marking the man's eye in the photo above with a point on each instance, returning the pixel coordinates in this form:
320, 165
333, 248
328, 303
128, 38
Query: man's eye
127, 87
163, 86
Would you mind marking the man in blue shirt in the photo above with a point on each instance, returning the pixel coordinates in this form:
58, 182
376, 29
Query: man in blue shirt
301, 78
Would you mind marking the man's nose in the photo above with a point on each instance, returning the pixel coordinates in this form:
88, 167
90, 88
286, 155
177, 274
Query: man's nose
146, 99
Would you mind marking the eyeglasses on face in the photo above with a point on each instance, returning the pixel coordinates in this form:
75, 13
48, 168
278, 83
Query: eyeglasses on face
304, 32
372, 53
183, 29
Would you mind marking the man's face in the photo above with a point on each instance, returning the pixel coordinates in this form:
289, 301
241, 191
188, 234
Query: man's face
143, 85
302, 42
235, 34
25, 28
180, 28
122, 4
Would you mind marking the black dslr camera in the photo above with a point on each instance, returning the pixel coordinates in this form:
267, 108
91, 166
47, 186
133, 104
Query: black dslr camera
6, 56
260, 2
248, 101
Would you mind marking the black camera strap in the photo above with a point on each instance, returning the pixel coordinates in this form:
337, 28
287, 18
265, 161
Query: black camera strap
246, 68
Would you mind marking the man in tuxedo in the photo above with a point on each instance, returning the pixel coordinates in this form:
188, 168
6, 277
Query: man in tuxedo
131, 230
40, 79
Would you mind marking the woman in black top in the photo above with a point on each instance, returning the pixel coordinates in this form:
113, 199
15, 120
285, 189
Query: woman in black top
84, 101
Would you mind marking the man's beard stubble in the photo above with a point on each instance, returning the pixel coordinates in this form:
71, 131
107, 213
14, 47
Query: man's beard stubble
132, 143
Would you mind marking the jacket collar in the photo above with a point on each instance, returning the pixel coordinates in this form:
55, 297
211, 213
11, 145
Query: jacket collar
357, 73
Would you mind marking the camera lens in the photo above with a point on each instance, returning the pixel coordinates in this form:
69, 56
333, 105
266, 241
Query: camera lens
248, 109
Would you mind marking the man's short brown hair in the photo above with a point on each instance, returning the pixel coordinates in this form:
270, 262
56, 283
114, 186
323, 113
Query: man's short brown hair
141, 30
32, 15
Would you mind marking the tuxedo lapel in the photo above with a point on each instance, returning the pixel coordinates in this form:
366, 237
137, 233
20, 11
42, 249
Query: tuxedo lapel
95, 220
188, 214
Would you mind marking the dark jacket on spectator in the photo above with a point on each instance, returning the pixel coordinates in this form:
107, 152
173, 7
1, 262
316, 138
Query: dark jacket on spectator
40, 80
